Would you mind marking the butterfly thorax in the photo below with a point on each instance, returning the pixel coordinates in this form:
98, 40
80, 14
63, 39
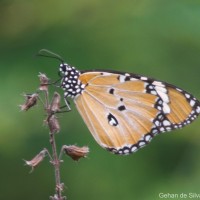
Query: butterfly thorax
70, 81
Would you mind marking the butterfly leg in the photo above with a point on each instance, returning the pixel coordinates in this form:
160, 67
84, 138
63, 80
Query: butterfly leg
67, 104
64, 106
55, 83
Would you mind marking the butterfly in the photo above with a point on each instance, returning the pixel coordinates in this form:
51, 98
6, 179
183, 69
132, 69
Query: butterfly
124, 111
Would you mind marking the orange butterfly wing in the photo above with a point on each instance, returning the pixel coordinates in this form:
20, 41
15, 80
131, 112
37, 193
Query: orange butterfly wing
124, 111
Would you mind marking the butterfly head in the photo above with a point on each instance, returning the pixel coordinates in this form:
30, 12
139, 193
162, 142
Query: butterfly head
70, 80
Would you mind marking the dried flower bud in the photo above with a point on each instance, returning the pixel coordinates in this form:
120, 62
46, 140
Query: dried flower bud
55, 104
55, 197
31, 100
44, 82
37, 159
76, 152
53, 124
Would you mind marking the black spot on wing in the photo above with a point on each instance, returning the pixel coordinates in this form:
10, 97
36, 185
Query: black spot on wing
112, 120
121, 108
111, 91
127, 78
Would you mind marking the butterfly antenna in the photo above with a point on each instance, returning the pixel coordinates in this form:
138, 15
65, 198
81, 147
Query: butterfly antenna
50, 54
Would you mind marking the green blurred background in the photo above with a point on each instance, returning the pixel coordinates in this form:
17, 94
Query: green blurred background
151, 37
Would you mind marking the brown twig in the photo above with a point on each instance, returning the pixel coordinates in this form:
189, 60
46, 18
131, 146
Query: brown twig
54, 127
56, 163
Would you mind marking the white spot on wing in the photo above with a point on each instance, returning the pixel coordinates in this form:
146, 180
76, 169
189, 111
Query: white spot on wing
153, 92
134, 149
126, 151
187, 96
143, 78
192, 102
166, 123
198, 109
163, 96
134, 79
106, 74
179, 89
158, 83
148, 138
122, 78
112, 122
162, 89
166, 108
141, 144
157, 123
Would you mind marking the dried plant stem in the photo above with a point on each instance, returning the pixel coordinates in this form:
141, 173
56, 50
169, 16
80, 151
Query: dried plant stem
55, 160
56, 163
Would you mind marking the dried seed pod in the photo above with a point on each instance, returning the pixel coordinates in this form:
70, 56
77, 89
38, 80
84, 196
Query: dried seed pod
55, 104
31, 100
53, 124
44, 82
76, 152
37, 159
